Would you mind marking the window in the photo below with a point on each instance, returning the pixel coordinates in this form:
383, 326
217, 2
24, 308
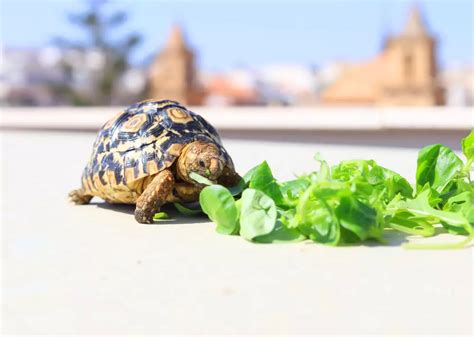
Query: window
408, 68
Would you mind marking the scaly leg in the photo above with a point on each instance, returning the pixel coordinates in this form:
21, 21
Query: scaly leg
154, 196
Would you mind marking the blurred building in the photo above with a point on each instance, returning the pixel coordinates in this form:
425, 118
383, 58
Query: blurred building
173, 72
24, 74
459, 85
290, 84
404, 73
41, 76
236, 87
276, 84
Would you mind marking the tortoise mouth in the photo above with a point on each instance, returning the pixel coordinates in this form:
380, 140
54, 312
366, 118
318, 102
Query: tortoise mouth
198, 179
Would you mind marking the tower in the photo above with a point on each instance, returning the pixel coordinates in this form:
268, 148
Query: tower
173, 74
404, 73
411, 66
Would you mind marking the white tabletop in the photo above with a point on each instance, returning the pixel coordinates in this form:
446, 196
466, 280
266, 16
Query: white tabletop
92, 269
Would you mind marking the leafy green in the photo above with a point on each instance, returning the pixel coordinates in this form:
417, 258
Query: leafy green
462, 203
186, 210
217, 202
200, 179
316, 219
409, 223
420, 206
236, 190
437, 165
389, 182
161, 216
245, 181
290, 190
262, 179
281, 234
257, 215
359, 218
351, 202
468, 146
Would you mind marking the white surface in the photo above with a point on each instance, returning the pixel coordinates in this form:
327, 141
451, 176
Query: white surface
92, 269
293, 118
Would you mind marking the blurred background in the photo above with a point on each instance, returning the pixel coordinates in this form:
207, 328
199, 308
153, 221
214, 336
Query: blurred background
237, 53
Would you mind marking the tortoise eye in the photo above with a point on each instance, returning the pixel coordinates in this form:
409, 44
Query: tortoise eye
202, 163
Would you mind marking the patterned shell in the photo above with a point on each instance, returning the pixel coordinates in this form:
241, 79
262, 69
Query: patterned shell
139, 142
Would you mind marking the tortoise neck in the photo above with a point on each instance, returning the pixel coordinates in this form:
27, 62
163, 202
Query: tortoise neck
181, 166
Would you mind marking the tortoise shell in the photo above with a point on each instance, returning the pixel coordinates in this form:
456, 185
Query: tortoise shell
138, 143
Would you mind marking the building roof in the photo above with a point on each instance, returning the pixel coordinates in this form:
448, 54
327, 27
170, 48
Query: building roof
415, 24
233, 92
358, 82
176, 39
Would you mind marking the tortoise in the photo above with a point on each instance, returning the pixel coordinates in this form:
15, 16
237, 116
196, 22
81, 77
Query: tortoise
145, 154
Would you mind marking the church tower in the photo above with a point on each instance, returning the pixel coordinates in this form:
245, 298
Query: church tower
404, 73
411, 67
173, 74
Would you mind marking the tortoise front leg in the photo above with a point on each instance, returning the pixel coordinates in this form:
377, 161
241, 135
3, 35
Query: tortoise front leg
188, 192
154, 196
184, 192
229, 178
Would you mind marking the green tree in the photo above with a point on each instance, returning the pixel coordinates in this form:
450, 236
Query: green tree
100, 28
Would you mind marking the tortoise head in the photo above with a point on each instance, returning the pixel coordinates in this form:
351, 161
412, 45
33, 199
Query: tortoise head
202, 158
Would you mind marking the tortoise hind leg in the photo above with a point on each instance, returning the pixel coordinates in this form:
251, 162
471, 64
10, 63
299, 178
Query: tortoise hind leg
154, 196
79, 197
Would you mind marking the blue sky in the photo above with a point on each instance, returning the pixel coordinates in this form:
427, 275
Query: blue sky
254, 33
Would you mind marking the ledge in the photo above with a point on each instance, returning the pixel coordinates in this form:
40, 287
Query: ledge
256, 118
